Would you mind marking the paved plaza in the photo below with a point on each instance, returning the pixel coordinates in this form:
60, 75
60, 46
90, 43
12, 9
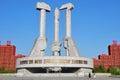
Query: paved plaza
58, 78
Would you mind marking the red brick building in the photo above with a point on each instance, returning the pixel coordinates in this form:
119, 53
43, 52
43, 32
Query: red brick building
8, 56
110, 60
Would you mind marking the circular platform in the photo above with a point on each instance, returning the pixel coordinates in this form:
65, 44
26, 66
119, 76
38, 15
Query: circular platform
54, 61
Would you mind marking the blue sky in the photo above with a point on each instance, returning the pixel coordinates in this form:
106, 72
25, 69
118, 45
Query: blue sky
95, 23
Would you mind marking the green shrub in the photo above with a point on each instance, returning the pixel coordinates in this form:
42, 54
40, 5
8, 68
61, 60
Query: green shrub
9, 71
1, 70
6, 71
114, 71
99, 69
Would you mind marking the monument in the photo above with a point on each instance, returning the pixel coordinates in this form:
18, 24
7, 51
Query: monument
37, 63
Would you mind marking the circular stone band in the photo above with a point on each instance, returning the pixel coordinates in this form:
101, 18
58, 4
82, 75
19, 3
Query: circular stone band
54, 61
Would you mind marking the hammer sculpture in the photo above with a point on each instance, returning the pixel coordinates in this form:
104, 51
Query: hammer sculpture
40, 43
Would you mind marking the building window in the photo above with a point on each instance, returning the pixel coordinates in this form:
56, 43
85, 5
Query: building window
38, 61
51, 61
23, 62
85, 62
64, 61
80, 61
30, 61
77, 61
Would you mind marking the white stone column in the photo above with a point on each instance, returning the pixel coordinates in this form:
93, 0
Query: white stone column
68, 7
43, 7
42, 23
68, 23
56, 25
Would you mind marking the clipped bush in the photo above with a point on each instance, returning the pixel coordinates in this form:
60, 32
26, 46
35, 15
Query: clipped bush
1, 70
9, 71
99, 69
6, 71
114, 71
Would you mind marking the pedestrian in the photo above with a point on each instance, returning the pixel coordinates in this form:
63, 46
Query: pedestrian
89, 75
94, 75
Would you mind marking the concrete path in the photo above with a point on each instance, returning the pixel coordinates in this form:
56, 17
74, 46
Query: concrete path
58, 78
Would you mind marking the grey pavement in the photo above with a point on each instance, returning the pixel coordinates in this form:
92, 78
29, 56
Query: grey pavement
58, 78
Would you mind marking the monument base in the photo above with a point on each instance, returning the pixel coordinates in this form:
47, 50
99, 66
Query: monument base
26, 73
54, 65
